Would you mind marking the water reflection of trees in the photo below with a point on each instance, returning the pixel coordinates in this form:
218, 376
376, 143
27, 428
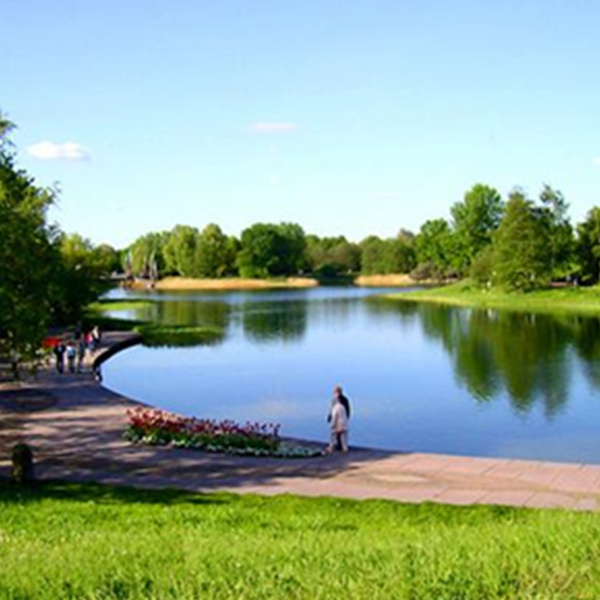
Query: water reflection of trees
274, 321
201, 314
527, 355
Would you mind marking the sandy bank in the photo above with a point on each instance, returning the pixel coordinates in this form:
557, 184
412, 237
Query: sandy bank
232, 283
385, 281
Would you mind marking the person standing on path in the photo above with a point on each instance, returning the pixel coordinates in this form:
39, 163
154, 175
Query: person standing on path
59, 353
71, 353
338, 420
81, 347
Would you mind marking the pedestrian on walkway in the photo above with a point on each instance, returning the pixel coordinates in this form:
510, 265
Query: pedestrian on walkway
81, 347
71, 353
96, 338
338, 421
59, 353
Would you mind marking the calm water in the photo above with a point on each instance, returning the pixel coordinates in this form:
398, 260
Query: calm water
420, 377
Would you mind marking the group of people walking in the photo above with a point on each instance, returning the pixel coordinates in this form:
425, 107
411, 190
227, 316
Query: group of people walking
74, 350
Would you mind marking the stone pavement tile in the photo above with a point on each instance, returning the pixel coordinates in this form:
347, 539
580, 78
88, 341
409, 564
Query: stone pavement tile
543, 475
471, 466
586, 504
511, 469
579, 481
430, 464
461, 496
593, 472
507, 497
551, 500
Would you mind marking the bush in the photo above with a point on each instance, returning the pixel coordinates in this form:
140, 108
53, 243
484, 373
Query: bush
427, 271
482, 268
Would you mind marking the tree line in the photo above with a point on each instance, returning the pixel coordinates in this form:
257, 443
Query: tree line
517, 243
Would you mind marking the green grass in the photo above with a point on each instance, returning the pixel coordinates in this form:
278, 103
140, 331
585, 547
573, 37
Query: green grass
106, 304
94, 542
554, 300
178, 335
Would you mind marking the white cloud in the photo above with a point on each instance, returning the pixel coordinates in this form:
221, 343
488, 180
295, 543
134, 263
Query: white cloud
52, 151
270, 127
596, 161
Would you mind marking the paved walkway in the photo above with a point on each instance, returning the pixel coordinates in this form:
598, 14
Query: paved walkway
75, 427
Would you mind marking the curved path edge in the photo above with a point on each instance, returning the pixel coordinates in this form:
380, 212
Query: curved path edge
78, 437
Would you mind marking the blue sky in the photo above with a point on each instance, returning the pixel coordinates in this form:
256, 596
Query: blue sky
345, 116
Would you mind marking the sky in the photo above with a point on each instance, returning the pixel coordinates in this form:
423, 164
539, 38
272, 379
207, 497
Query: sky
346, 116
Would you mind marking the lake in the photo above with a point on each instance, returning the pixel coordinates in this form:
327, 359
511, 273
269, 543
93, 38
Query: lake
420, 377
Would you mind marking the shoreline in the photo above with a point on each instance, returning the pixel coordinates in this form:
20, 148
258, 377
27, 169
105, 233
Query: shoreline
79, 437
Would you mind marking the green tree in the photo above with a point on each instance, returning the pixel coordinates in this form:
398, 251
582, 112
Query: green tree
331, 256
381, 257
107, 260
79, 278
521, 260
561, 237
293, 251
179, 251
212, 253
147, 254
271, 250
588, 246
435, 244
475, 219
28, 257
372, 255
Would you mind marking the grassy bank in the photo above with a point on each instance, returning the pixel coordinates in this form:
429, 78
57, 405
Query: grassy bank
88, 541
152, 334
178, 335
565, 299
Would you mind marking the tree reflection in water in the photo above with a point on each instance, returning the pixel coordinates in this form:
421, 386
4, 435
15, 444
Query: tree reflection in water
528, 356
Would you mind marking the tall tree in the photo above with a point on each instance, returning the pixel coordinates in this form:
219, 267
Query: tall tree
475, 219
147, 253
521, 260
28, 257
212, 256
179, 250
78, 278
436, 244
561, 238
271, 250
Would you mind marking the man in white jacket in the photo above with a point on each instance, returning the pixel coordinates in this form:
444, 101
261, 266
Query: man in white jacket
338, 419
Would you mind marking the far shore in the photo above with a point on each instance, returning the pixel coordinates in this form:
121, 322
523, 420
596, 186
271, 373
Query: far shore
551, 300
169, 284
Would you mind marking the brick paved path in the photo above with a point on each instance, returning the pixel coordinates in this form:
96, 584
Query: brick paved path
75, 427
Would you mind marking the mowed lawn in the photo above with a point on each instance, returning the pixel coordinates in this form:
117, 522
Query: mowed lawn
87, 541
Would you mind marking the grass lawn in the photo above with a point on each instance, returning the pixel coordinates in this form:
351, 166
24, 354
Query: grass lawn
88, 541
565, 299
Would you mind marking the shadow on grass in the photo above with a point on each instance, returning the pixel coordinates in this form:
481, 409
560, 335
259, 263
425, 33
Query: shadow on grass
103, 494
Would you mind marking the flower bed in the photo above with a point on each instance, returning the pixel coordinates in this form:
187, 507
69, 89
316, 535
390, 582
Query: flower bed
159, 427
